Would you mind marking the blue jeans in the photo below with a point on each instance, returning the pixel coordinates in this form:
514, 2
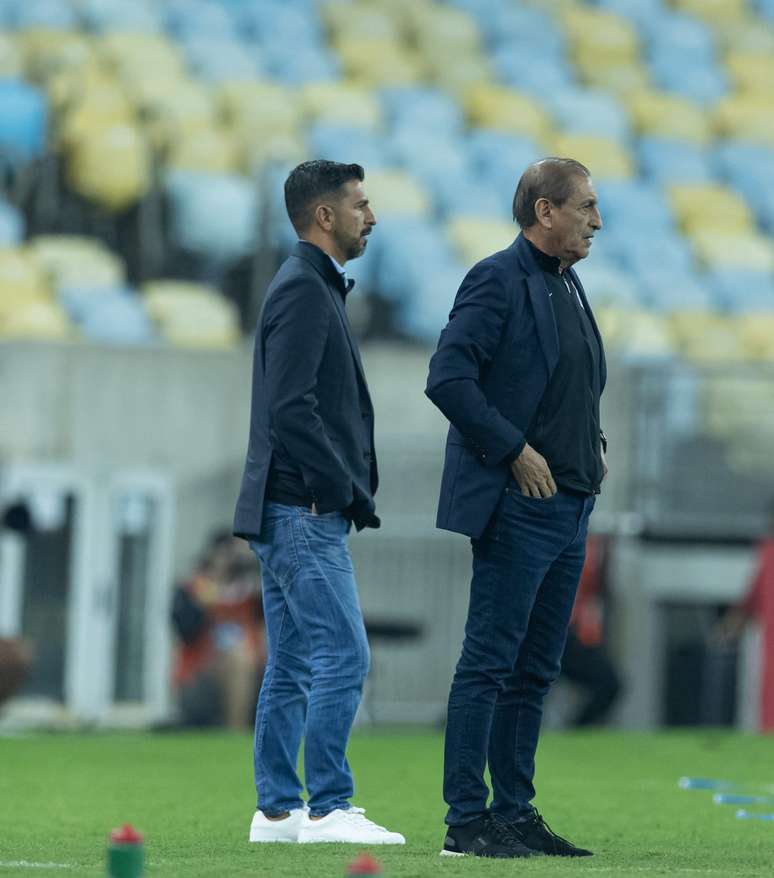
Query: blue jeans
526, 569
318, 660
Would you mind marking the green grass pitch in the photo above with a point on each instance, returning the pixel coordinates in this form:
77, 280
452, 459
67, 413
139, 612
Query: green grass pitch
192, 796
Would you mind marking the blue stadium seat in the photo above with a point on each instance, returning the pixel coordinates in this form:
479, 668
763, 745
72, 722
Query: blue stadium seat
427, 313
214, 215
343, 144
680, 33
23, 120
312, 64
218, 60
634, 204
674, 161
500, 158
105, 16
120, 319
766, 8
749, 168
700, 79
473, 198
667, 289
49, 14
289, 24
519, 26
422, 108
529, 69
741, 291
191, 18
589, 111
641, 12
432, 158
667, 251
11, 225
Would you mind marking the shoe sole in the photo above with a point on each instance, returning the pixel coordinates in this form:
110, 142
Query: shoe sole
490, 857
347, 841
453, 854
273, 840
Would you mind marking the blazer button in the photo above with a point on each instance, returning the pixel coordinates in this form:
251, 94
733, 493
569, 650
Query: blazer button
483, 455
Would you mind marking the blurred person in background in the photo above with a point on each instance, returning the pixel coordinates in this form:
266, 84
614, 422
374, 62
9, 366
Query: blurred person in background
518, 372
310, 474
758, 605
16, 654
218, 618
585, 661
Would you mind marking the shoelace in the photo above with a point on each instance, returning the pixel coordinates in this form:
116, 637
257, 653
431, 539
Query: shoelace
502, 831
356, 815
539, 822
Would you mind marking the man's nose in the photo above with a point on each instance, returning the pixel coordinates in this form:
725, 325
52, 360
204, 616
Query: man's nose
596, 221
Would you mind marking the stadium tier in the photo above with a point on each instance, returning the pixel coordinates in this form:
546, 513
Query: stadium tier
144, 146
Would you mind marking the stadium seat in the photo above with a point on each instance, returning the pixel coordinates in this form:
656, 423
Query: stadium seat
117, 318
661, 114
606, 285
606, 159
212, 150
634, 204
347, 145
49, 14
666, 289
710, 204
115, 15
394, 192
22, 280
756, 332
682, 33
506, 110
717, 12
39, 320
705, 336
23, 120
378, 63
11, 225
110, 166
421, 107
721, 248
173, 109
214, 215
11, 64
191, 314
528, 69
740, 290
589, 112
48, 52
673, 161
751, 72
224, 60
67, 260
746, 117
191, 18
635, 335
474, 238
428, 312
699, 79
339, 103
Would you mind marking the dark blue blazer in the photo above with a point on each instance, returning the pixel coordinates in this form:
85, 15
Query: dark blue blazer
488, 375
311, 409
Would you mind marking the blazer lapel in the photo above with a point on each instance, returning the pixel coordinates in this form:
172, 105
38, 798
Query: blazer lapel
544, 319
338, 303
590, 313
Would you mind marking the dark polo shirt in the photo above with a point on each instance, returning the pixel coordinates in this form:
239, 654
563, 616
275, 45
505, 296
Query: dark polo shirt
566, 429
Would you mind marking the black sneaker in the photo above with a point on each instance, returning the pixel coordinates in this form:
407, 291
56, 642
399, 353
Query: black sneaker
537, 835
489, 836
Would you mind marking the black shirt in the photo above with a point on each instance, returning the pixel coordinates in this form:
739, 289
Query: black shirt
566, 429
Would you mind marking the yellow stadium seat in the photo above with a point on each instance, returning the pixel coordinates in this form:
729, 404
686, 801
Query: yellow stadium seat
360, 21
634, 332
710, 205
192, 314
396, 192
178, 109
370, 62
666, 115
746, 117
73, 260
716, 12
213, 150
260, 108
101, 107
458, 75
341, 103
22, 280
39, 320
110, 165
445, 31
48, 52
622, 80
504, 109
703, 335
757, 335
611, 36
606, 159
11, 64
474, 238
750, 35
721, 248
752, 72
279, 147
139, 55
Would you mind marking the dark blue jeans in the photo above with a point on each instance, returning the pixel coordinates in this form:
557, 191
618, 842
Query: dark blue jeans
318, 660
526, 569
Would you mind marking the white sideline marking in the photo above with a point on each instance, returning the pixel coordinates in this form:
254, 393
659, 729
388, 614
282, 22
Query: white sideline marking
25, 864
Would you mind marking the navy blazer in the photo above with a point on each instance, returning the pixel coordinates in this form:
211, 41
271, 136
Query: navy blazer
492, 366
311, 408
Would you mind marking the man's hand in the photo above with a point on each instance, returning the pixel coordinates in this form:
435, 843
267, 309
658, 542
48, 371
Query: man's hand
532, 474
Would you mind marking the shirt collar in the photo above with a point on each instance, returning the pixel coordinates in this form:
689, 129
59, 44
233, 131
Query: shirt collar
547, 263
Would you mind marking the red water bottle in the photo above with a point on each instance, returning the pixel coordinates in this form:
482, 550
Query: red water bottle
365, 864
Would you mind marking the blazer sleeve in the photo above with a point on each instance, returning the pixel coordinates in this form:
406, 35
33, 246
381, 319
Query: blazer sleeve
295, 332
466, 347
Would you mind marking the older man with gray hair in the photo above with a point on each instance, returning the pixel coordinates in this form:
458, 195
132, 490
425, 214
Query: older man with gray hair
518, 372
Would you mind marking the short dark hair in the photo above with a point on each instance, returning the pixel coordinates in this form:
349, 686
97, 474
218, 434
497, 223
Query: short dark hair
312, 181
552, 178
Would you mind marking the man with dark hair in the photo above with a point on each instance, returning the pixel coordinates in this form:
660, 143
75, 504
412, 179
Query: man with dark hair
310, 474
518, 372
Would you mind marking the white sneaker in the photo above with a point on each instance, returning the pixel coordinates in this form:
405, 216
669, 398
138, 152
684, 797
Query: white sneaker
351, 827
263, 829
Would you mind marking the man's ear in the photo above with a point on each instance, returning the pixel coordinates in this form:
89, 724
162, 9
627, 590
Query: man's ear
324, 217
543, 213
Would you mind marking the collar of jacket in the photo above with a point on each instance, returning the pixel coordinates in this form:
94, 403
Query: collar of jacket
322, 263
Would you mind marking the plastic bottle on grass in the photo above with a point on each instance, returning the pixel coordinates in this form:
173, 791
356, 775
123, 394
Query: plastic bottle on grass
365, 864
125, 854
